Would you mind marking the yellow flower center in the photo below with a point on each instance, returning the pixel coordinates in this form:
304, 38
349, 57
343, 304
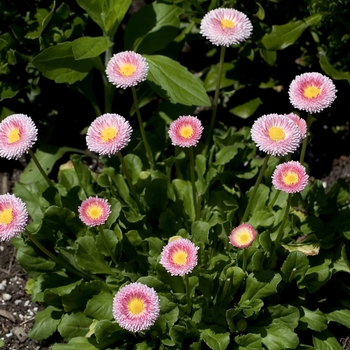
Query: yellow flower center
311, 91
127, 69
6, 216
226, 23
276, 133
243, 237
94, 212
180, 258
136, 306
290, 178
14, 135
109, 134
186, 131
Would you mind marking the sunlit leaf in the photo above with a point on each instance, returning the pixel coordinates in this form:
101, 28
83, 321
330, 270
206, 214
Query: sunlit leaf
177, 82
285, 35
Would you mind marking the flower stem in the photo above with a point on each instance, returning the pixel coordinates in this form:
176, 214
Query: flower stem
129, 180
187, 283
305, 141
274, 200
285, 217
35, 160
143, 134
225, 289
107, 246
194, 191
109, 89
57, 260
258, 180
245, 258
215, 101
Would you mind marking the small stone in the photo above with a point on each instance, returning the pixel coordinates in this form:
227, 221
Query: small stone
6, 296
20, 333
26, 303
18, 301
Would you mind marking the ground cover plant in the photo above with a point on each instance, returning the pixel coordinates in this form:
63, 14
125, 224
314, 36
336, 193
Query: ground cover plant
173, 226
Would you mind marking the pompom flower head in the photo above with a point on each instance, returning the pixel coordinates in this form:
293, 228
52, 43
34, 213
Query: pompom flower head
136, 307
18, 134
290, 177
242, 236
126, 69
179, 256
13, 216
276, 134
312, 92
108, 134
185, 131
300, 123
225, 27
94, 211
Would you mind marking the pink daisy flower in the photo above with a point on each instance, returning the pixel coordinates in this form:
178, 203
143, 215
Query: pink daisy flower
126, 69
179, 256
136, 307
242, 236
185, 131
276, 134
225, 27
108, 134
13, 216
18, 134
290, 177
312, 92
94, 211
300, 122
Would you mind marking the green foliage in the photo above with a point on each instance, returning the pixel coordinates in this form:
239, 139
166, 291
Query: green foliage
272, 295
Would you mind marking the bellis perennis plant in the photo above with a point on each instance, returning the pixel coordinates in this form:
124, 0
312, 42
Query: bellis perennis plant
179, 230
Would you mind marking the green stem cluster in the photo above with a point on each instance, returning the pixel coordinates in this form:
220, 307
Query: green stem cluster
215, 101
257, 183
142, 129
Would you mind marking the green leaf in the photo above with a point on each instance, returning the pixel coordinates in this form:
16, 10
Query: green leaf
152, 28
183, 191
227, 153
89, 47
47, 156
107, 332
247, 109
89, 258
46, 323
215, 338
180, 85
39, 21
76, 343
74, 325
280, 337
330, 70
83, 172
212, 77
341, 316
58, 63
286, 315
260, 284
100, 306
248, 341
107, 14
200, 232
294, 266
325, 341
315, 320
285, 35
134, 166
